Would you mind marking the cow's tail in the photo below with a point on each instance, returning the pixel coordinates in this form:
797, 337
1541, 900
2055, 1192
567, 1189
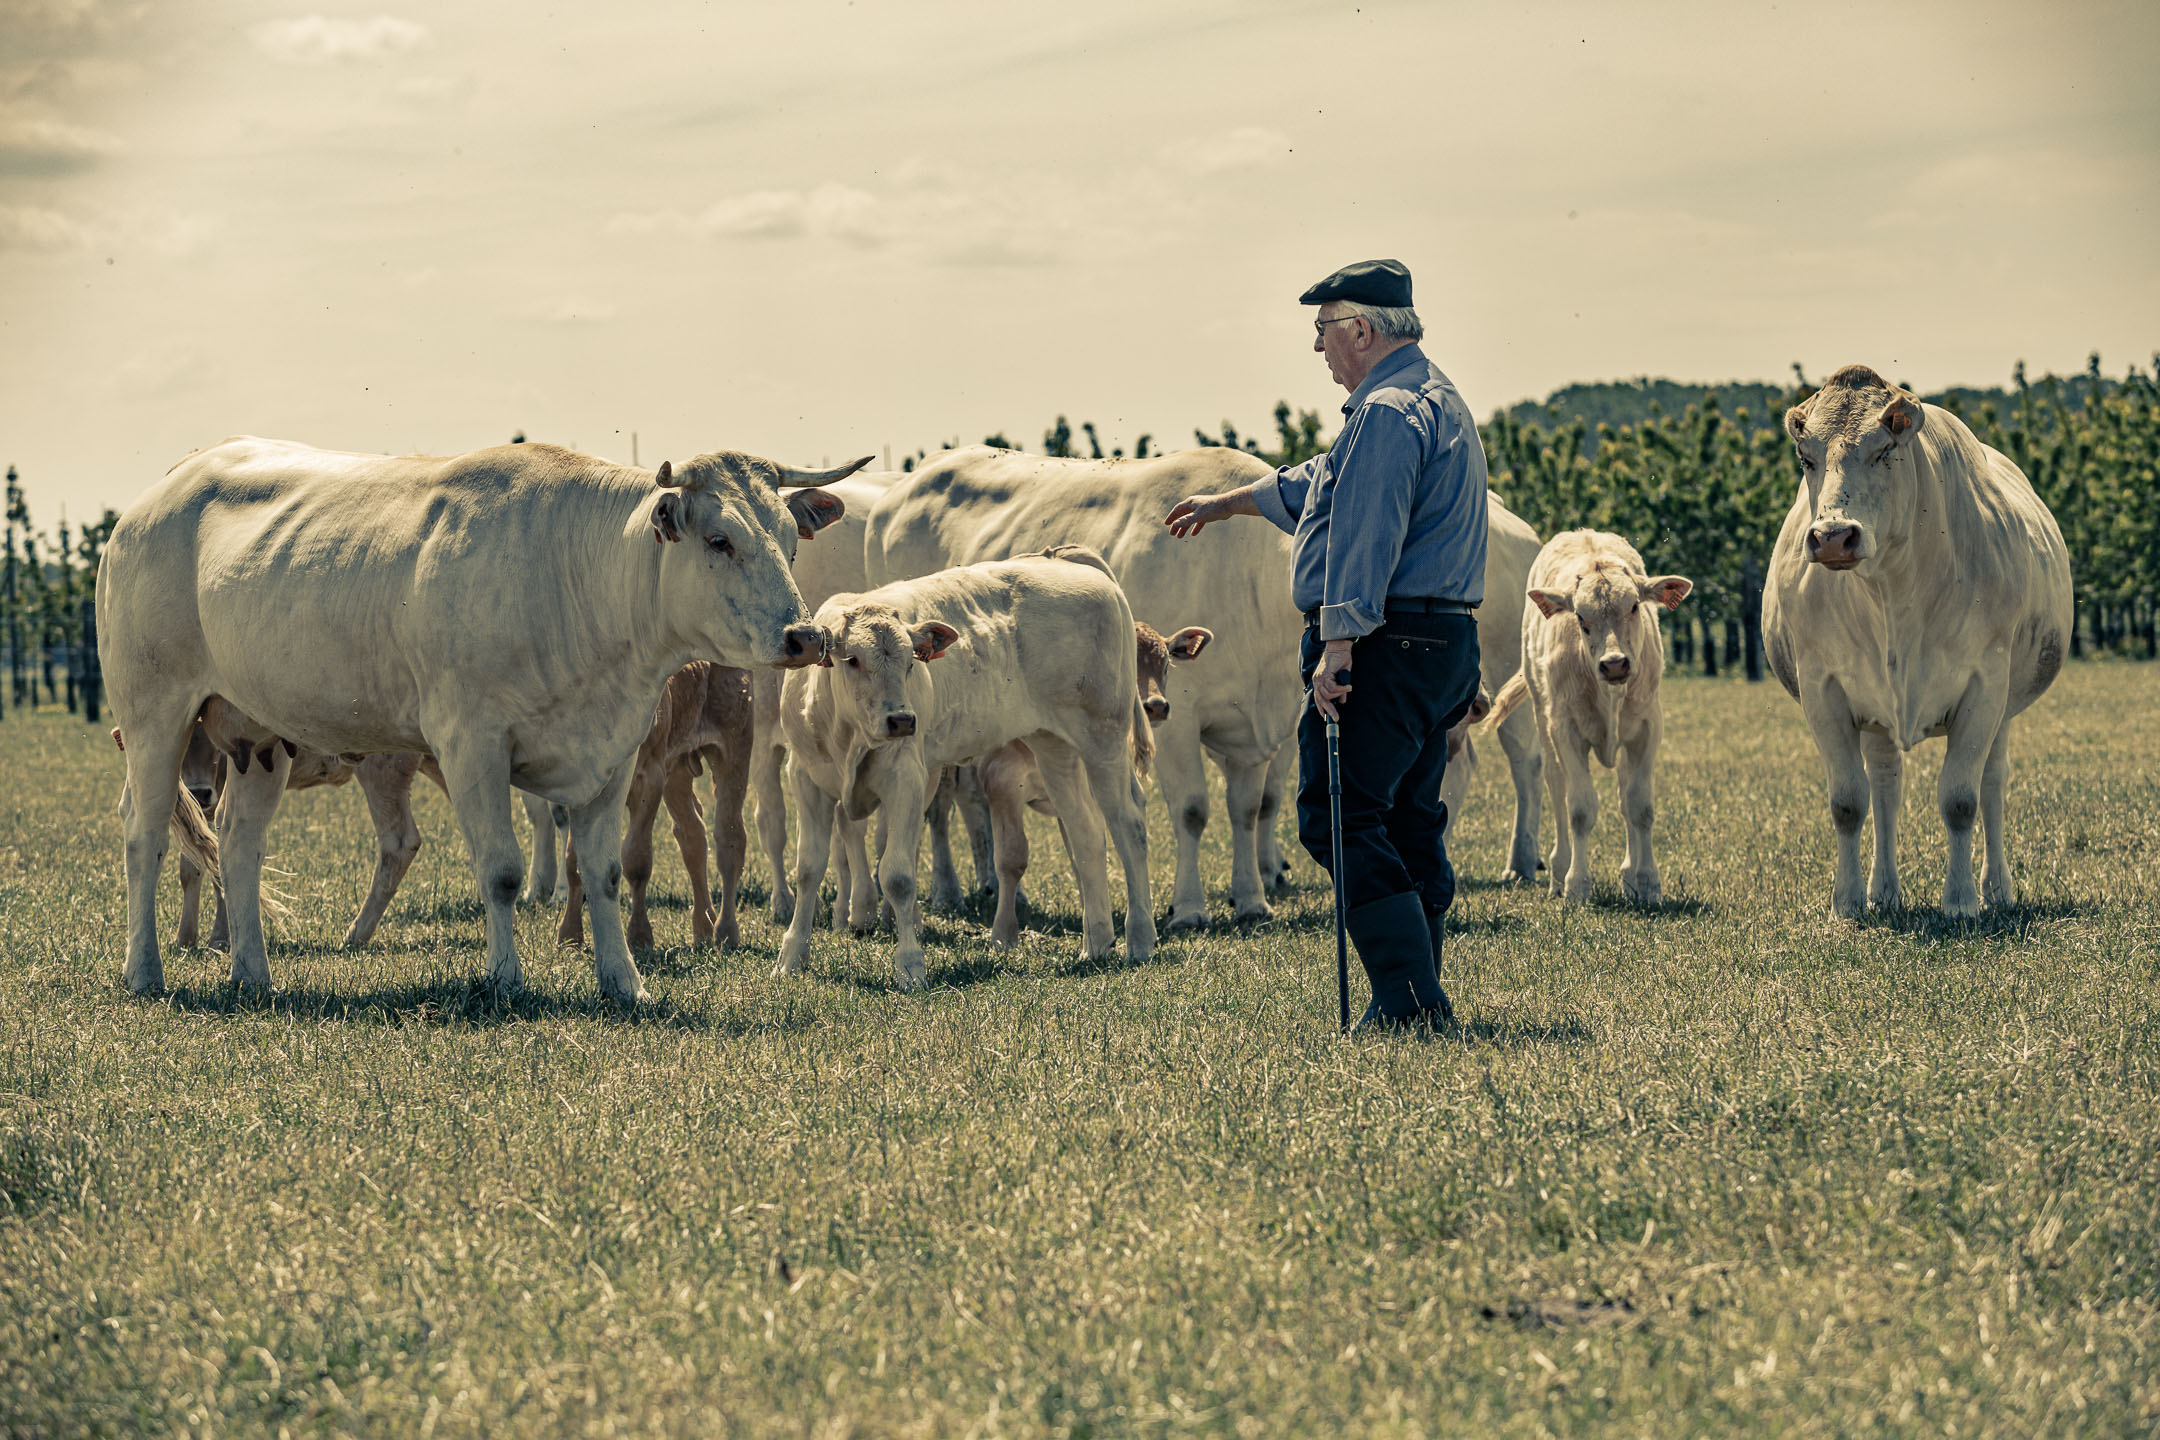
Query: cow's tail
198, 841
1504, 704
1143, 740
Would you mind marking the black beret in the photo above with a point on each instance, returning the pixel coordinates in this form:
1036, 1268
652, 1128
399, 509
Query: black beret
1369, 282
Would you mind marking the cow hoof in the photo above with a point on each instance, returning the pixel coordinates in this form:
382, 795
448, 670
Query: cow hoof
1577, 894
147, 980
1258, 914
1184, 924
1888, 899
1514, 877
794, 958
911, 975
1961, 907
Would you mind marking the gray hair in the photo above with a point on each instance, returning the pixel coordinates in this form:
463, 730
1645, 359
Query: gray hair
1394, 322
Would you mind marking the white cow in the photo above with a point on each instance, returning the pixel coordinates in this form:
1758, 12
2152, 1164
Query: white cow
1592, 657
978, 504
513, 611
833, 566
1511, 548
1919, 587
938, 671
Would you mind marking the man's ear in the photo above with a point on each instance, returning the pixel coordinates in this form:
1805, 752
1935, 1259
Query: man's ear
1667, 590
814, 510
667, 516
932, 638
1551, 602
1189, 642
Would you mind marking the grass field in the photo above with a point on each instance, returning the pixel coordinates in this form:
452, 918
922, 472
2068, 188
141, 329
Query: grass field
1723, 1167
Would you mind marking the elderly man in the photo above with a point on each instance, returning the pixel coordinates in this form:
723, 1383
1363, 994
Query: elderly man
1388, 564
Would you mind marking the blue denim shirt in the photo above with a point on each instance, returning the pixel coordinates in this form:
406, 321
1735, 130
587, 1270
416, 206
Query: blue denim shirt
1408, 475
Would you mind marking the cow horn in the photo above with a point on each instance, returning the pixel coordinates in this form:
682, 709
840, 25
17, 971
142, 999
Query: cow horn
789, 478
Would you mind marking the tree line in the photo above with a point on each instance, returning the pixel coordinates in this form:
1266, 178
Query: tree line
1700, 489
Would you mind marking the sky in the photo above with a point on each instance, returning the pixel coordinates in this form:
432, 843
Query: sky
825, 228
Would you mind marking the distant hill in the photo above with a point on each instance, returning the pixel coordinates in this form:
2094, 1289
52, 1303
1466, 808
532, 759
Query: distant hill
1630, 402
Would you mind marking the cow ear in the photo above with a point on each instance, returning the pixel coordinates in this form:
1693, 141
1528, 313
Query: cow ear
1189, 642
667, 516
1551, 602
814, 510
1796, 421
1901, 417
932, 637
664, 477
1666, 590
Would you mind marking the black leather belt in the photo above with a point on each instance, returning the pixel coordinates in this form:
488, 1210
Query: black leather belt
1412, 605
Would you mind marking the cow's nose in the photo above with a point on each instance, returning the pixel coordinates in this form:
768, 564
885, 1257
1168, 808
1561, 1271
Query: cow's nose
801, 645
900, 724
204, 796
1157, 708
1614, 668
1836, 547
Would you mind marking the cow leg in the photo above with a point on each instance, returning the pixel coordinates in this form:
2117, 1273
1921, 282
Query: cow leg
1996, 885
1973, 730
648, 787
1008, 823
1526, 758
1244, 781
147, 798
545, 883
1274, 863
768, 784
1638, 762
1117, 796
1580, 815
730, 766
688, 817
1837, 739
903, 807
570, 930
813, 849
596, 827
1181, 771
944, 879
243, 828
1556, 779
1886, 788
858, 879
386, 783
1063, 776
975, 814
188, 936
476, 775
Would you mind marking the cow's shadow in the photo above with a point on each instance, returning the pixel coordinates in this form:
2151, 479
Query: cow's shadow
452, 1001
1568, 1032
2011, 923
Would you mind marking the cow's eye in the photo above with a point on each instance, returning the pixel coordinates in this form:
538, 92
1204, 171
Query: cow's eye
1801, 456
854, 662
1585, 626
721, 544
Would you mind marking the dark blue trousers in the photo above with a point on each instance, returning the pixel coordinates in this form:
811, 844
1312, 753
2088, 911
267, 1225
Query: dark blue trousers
1411, 679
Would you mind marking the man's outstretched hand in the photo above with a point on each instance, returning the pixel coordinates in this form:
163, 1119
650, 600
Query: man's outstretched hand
1195, 512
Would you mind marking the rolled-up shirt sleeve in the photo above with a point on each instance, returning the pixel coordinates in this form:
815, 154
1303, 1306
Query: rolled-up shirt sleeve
1281, 497
1376, 463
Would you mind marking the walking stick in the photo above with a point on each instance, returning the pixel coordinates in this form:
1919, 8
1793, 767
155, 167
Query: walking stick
1342, 934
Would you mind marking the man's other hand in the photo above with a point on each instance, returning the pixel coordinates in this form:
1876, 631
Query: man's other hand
1326, 692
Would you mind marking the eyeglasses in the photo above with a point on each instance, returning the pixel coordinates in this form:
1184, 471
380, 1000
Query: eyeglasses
1319, 327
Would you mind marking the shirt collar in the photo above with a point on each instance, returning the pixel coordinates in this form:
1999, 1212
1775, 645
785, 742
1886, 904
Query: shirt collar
1390, 365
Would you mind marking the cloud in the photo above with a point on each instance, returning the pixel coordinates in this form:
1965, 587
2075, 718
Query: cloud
830, 212
32, 146
1239, 149
24, 227
320, 40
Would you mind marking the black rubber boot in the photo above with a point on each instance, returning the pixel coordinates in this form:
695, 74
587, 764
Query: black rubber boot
1394, 944
1437, 1005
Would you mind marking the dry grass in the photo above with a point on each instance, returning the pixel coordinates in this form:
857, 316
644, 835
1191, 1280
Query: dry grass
1722, 1167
